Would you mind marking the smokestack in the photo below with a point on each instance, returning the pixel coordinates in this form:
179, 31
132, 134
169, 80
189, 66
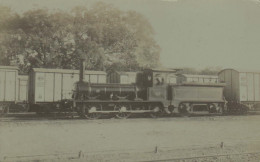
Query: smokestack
82, 70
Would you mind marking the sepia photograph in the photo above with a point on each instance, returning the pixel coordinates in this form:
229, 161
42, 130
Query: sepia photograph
129, 80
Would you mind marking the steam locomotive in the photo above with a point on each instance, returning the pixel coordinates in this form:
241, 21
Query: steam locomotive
156, 91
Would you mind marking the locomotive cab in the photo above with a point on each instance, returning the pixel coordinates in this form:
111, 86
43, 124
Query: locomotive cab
156, 86
156, 83
157, 77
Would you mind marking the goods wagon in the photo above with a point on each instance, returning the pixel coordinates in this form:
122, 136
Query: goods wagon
47, 87
122, 77
242, 89
198, 97
8, 87
189, 78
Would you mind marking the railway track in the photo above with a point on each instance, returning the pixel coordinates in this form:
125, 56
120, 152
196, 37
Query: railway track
208, 157
35, 116
80, 156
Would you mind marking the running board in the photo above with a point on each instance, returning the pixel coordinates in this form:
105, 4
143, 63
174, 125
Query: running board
203, 113
133, 111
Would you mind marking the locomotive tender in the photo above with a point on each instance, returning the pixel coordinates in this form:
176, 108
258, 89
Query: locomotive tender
156, 91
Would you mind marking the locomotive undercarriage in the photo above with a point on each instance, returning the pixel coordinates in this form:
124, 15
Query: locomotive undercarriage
122, 109
189, 108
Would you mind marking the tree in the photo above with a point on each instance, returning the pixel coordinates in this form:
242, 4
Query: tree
108, 38
205, 71
5, 17
210, 71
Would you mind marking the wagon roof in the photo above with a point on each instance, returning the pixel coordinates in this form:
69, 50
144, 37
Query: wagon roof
242, 70
67, 71
9, 67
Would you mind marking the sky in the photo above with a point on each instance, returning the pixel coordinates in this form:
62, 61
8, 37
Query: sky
191, 33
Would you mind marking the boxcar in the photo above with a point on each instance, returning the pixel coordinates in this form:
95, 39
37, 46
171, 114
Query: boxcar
47, 87
188, 78
8, 87
242, 87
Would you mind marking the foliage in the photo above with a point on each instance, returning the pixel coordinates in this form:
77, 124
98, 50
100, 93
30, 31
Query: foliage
105, 36
205, 71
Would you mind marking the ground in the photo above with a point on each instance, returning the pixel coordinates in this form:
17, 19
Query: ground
137, 139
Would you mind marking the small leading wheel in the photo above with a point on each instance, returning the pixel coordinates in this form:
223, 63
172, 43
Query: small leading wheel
91, 112
123, 111
184, 109
156, 111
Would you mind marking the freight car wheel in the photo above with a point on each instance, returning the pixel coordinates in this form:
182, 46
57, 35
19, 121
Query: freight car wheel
90, 112
123, 114
157, 110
